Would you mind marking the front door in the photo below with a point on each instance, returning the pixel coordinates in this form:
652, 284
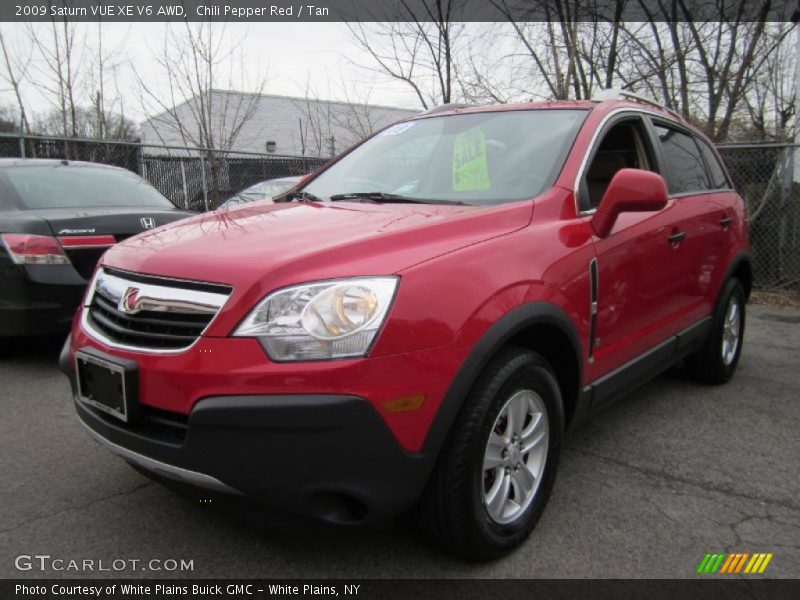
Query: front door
641, 272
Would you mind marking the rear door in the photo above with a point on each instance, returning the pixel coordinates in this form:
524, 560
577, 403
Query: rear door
699, 215
721, 229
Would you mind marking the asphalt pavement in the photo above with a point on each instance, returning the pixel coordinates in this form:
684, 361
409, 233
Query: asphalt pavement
671, 472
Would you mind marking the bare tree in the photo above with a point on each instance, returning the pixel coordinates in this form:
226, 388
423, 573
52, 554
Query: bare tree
571, 53
419, 49
57, 68
770, 100
712, 62
315, 124
712, 71
358, 116
103, 70
201, 66
87, 124
725, 53
16, 62
59, 61
325, 126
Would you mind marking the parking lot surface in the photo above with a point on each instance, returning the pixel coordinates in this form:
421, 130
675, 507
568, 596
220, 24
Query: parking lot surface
671, 472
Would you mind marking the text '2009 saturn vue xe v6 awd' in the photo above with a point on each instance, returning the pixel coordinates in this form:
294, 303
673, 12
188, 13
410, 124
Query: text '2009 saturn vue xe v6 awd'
417, 324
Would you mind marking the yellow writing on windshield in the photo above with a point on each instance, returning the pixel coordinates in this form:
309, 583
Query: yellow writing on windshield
470, 168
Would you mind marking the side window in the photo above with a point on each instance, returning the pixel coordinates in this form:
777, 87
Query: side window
686, 171
716, 173
622, 146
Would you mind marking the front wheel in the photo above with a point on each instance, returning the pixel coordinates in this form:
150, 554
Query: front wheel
494, 476
716, 361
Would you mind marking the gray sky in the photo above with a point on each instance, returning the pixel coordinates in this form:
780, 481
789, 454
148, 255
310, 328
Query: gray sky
321, 53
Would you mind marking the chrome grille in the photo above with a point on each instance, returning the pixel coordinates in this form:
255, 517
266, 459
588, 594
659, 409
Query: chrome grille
140, 312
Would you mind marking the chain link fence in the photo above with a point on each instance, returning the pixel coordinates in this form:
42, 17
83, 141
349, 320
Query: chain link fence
768, 178
192, 178
765, 175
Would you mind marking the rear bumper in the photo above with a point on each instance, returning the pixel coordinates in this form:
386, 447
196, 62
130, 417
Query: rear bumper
30, 307
326, 456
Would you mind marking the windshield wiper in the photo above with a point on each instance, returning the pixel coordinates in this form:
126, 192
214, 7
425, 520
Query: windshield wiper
298, 195
386, 198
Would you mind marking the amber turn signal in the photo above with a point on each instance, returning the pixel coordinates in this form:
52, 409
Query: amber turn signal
404, 404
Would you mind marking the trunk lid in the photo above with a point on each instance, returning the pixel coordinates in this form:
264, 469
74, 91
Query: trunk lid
121, 223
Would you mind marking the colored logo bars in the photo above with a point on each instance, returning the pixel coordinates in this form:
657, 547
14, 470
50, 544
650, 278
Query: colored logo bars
735, 562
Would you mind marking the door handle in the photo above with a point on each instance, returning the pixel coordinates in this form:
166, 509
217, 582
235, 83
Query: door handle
677, 238
725, 222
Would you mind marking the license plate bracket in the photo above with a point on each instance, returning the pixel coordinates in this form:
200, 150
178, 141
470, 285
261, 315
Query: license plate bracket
109, 384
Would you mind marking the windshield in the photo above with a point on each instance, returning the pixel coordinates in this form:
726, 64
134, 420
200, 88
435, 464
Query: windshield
270, 188
260, 191
479, 158
59, 186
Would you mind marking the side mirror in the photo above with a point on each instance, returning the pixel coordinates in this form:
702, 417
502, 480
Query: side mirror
630, 190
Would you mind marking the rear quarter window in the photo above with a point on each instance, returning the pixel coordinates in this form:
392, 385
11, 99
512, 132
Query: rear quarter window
686, 171
716, 174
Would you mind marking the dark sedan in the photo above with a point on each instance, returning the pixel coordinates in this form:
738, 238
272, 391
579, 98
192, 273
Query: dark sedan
56, 220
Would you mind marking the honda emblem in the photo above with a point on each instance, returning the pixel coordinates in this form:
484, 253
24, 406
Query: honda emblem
147, 222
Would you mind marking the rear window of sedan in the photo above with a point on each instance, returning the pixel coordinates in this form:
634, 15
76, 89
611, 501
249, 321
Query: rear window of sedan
62, 186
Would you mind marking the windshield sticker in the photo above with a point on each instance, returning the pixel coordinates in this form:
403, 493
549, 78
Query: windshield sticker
470, 168
398, 129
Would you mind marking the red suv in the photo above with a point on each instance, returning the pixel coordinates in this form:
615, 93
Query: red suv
418, 323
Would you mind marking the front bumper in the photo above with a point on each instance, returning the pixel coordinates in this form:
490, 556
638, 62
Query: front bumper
329, 456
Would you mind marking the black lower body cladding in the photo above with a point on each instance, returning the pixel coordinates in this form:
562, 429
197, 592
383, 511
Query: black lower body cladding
327, 457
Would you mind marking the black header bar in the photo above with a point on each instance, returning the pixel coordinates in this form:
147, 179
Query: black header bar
397, 10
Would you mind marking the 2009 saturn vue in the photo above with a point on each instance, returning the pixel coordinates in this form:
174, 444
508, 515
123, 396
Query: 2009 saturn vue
418, 324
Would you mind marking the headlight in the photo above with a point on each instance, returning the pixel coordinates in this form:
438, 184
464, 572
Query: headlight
328, 319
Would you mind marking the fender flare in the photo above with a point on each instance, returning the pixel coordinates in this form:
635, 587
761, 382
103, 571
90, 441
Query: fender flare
491, 341
740, 258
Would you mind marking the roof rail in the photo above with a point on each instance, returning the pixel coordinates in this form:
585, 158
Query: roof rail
444, 108
620, 94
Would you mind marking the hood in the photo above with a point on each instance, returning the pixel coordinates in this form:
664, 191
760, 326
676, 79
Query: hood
262, 246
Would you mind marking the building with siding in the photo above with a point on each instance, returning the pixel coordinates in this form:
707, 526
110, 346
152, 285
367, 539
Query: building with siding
280, 125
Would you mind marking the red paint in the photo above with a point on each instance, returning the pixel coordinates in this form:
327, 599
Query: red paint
461, 269
630, 190
24, 244
87, 241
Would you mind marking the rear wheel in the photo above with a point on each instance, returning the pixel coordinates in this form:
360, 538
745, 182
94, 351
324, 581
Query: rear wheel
494, 476
716, 361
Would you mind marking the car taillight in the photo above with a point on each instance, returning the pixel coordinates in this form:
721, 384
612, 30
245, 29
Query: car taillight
26, 249
87, 241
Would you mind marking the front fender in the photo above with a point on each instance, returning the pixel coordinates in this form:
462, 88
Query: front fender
494, 338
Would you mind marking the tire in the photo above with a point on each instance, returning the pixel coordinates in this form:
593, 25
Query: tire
716, 361
460, 509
